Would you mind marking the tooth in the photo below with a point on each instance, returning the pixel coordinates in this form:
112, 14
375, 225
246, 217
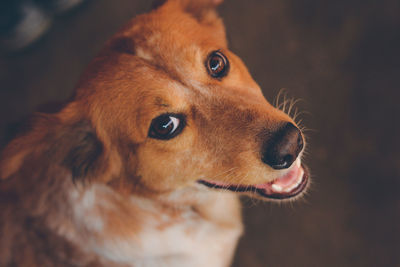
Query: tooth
297, 183
301, 175
276, 187
298, 163
292, 187
288, 189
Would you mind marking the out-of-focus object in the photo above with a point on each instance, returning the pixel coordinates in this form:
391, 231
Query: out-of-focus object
22, 22
58, 6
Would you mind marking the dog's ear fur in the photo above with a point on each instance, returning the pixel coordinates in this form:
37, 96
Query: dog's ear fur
85, 153
190, 4
203, 10
73, 146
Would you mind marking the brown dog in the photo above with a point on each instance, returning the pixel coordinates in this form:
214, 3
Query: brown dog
143, 167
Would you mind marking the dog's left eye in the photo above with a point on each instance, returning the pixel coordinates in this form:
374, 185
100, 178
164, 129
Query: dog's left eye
166, 126
217, 64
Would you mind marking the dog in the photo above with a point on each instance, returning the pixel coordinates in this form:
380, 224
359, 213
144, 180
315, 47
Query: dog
146, 163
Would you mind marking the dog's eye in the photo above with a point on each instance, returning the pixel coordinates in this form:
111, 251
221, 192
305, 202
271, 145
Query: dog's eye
166, 126
217, 64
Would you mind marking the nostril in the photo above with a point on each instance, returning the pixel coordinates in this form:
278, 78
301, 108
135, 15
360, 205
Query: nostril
284, 163
288, 160
282, 148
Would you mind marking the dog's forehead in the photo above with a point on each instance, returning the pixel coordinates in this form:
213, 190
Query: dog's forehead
162, 54
174, 40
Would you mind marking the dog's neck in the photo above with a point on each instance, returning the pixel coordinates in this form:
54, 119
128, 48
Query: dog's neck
100, 198
127, 229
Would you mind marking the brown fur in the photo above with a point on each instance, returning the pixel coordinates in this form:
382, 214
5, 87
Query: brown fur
152, 66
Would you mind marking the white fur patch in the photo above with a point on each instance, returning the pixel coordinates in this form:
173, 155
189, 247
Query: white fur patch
189, 240
87, 206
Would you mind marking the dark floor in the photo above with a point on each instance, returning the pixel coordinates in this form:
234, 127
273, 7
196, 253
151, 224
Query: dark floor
341, 57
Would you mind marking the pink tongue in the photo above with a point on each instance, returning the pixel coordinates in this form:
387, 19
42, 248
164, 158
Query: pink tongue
284, 181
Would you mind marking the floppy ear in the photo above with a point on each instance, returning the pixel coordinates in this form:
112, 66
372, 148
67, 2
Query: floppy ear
11, 160
50, 143
84, 152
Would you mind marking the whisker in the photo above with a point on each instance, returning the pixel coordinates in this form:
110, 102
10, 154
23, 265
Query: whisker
278, 97
293, 102
297, 114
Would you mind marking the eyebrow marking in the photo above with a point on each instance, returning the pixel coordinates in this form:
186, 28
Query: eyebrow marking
160, 102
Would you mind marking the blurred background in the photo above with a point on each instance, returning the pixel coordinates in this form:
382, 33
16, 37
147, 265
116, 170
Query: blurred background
340, 57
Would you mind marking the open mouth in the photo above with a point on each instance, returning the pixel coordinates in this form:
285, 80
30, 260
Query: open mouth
287, 186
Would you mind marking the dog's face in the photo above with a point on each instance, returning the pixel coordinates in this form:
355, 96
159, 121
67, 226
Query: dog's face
181, 110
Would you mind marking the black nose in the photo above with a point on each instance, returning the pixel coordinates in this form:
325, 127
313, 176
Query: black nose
282, 149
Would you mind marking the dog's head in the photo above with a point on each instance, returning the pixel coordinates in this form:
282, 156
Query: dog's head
176, 109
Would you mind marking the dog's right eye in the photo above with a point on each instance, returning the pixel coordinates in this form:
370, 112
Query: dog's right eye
166, 126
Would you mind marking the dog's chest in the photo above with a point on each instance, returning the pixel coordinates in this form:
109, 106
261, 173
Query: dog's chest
179, 238
189, 241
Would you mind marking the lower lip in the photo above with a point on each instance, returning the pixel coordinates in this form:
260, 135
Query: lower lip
265, 192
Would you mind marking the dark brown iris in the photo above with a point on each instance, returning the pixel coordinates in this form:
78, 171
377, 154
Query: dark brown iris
166, 126
217, 64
